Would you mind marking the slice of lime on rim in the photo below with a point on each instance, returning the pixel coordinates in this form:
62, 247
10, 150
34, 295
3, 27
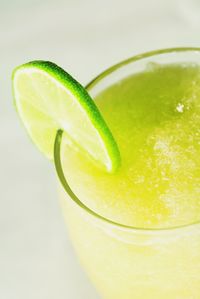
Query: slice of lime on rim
48, 100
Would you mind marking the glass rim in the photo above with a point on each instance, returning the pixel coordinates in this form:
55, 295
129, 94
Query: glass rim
58, 141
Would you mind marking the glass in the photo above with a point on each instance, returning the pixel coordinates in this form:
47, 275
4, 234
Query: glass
123, 261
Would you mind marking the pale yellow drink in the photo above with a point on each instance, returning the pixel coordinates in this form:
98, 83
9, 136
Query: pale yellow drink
154, 250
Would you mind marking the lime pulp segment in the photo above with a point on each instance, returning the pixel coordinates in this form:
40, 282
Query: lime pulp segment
48, 99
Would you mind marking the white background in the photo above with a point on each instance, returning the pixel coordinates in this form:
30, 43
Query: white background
85, 37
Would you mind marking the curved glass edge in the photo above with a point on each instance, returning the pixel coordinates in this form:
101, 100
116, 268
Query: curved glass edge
72, 195
58, 163
111, 69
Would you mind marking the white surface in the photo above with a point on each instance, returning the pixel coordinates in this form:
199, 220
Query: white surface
85, 37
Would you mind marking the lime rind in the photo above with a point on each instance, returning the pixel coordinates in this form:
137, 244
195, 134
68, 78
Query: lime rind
110, 156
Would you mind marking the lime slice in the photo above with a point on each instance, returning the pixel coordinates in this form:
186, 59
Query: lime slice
49, 99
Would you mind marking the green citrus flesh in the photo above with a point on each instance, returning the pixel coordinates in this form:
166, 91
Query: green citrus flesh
48, 99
